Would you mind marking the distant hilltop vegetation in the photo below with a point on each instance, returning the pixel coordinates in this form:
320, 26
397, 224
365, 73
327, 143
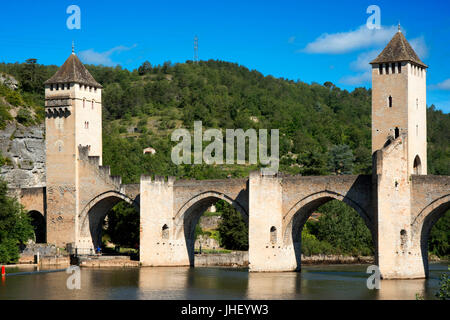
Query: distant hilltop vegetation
323, 129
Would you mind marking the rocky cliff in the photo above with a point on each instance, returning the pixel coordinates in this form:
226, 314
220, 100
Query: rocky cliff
23, 148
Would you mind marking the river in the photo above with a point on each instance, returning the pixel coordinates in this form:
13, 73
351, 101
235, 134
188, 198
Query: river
314, 282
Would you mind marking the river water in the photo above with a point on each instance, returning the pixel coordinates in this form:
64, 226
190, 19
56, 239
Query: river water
314, 282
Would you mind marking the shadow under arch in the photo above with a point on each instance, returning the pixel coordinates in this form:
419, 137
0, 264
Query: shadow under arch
39, 226
92, 216
189, 214
425, 221
295, 219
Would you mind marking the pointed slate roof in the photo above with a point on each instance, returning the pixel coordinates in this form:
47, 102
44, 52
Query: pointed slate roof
73, 70
398, 49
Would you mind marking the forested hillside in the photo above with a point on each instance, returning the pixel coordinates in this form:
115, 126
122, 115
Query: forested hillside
323, 129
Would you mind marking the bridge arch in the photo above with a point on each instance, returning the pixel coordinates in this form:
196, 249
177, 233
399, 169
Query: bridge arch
296, 217
187, 217
424, 222
93, 214
39, 226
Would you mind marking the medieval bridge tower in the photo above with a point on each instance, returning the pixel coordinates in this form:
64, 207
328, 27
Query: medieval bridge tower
77, 185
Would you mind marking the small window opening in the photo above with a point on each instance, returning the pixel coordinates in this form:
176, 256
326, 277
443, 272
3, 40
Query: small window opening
390, 102
380, 69
397, 132
399, 67
417, 166
165, 232
273, 234
387, 68
403, 239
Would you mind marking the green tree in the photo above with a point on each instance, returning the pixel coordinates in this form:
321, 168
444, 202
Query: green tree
15, 226
343, 228
233, 230
340, 159
444, 287
438, 242
123, 225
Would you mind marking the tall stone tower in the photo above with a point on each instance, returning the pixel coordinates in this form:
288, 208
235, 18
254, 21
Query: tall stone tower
73, 118
399, 101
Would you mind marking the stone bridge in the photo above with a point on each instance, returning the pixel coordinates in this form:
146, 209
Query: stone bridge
399, 210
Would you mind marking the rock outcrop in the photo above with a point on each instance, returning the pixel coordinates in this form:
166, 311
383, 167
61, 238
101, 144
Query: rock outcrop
24, 151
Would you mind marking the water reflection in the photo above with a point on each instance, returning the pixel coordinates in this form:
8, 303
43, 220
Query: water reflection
401, 289
314, 282
274, 285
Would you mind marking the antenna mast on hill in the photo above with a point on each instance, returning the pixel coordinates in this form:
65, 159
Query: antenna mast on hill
196, 49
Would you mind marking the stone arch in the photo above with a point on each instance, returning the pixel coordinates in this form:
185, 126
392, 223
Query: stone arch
424, 222
417, 165
190, 212
39, 226
91, 217
296, 217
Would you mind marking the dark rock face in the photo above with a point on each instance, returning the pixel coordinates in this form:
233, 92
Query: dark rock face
24, 149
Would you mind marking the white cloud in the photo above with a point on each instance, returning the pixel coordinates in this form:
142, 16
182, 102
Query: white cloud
344, 42
444, 85
362, 61
92, 57
420, 47
357, 79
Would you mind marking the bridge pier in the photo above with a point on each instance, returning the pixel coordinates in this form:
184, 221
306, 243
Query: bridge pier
162, 241
398, 255
267, 251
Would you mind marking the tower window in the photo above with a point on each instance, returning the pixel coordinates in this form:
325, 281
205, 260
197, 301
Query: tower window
399, 67
417, 166
165, 232
390, 101
273, 234
397, 132
51, 87
387, 68
380, 67
393, 67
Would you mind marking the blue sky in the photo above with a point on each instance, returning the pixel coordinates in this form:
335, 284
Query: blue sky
314, 41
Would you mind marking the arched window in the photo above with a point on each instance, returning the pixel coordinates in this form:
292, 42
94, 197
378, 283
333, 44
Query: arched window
397, 132
417, 166
165, 232
273, 234
390, 101
403, 239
